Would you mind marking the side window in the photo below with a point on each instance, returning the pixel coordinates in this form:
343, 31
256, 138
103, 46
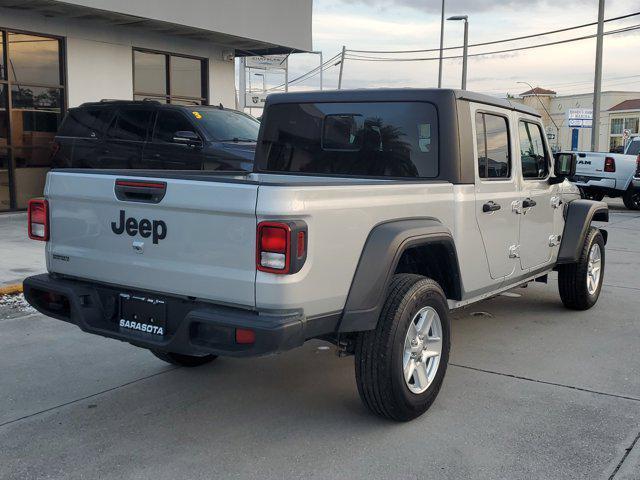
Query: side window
532, 151
169, 122
130, 124
84, 122
492, 140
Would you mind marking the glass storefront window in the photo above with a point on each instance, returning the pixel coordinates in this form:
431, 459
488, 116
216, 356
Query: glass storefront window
185, 84
150, 72
5, 197
34, 59
631, 124
33, 82
617, 125
186, 77
3, 71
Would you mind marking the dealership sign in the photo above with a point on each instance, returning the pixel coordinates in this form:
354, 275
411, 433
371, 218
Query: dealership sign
267, 62
580, 117
256, 99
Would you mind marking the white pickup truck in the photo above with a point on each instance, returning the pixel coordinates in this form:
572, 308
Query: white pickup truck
368, 216
601, 174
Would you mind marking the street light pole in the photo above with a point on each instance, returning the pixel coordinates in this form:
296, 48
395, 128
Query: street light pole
441, 46
465, 18
597, 83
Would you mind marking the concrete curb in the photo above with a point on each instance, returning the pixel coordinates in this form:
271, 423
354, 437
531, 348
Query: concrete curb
10, 289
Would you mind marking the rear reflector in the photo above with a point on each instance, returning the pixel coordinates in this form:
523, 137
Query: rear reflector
245, 336
609, 164
38, 219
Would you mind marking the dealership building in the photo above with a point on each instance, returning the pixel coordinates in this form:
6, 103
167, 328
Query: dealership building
59, 54
619, 118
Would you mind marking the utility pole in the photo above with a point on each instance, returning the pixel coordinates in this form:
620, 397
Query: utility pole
465, 57
344, 50
321, 71
286, 74
597, 83
242, 84
441, 46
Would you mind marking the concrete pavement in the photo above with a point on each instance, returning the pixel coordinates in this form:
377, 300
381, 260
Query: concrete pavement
19, 256
533, 391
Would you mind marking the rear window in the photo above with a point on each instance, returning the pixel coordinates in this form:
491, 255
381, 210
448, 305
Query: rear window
379, 139
84, 122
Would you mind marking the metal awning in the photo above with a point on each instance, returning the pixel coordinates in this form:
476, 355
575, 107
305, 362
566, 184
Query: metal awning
54, 8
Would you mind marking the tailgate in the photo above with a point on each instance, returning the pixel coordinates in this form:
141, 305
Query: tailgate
198, 240
591, 164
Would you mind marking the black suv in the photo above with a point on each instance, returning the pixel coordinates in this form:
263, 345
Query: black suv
149, 135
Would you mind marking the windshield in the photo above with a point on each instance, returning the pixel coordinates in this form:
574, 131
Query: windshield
227, 125
634, 148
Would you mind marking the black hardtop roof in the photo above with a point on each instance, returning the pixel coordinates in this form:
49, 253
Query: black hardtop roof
435, 95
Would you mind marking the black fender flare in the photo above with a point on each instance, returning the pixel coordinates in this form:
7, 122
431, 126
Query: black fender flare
379, 258
578, 217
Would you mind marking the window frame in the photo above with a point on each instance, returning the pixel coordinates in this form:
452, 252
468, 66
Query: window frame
544, 146
510, 150
168, 96
7, 83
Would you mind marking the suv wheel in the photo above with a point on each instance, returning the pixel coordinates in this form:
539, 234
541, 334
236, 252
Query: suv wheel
183, 360
631, 198
580, 283
400, 365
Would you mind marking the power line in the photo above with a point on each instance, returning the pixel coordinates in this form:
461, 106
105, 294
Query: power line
495, 52
311, 73
493, 42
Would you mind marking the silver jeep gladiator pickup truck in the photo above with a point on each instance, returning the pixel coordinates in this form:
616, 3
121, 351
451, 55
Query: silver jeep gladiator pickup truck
369, 215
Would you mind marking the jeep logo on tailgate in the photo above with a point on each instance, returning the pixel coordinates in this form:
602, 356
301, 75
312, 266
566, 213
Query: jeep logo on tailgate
156, 229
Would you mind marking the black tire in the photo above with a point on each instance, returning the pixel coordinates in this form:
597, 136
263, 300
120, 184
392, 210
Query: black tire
572, 278
631, 198
183, 360
589, 194
379, 352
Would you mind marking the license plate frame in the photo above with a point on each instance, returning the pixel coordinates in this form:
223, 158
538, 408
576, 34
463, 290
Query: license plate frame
143, 315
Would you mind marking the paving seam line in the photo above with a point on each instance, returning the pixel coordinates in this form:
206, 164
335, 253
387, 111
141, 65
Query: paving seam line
71, 402
519, 377
10, 289
627, 451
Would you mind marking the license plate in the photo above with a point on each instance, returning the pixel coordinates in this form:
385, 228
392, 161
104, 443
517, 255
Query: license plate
143, 314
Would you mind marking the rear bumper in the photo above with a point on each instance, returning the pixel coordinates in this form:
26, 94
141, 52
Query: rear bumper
595, 182
193, 327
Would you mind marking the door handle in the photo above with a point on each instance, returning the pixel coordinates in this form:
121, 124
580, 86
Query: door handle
528, 203
156, 155
490, 206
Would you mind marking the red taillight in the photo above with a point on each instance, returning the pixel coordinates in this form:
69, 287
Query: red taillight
609, 164
244, 336
274, 247
274, 239
281, 247
38, 219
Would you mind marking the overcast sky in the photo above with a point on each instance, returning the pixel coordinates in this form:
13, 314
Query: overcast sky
415, 24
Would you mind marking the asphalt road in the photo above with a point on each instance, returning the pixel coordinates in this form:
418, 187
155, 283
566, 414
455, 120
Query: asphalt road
534, 391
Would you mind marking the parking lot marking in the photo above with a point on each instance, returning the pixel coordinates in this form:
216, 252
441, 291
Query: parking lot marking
518, 377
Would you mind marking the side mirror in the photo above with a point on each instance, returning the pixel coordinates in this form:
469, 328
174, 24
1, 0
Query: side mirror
564, 166
187, 138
